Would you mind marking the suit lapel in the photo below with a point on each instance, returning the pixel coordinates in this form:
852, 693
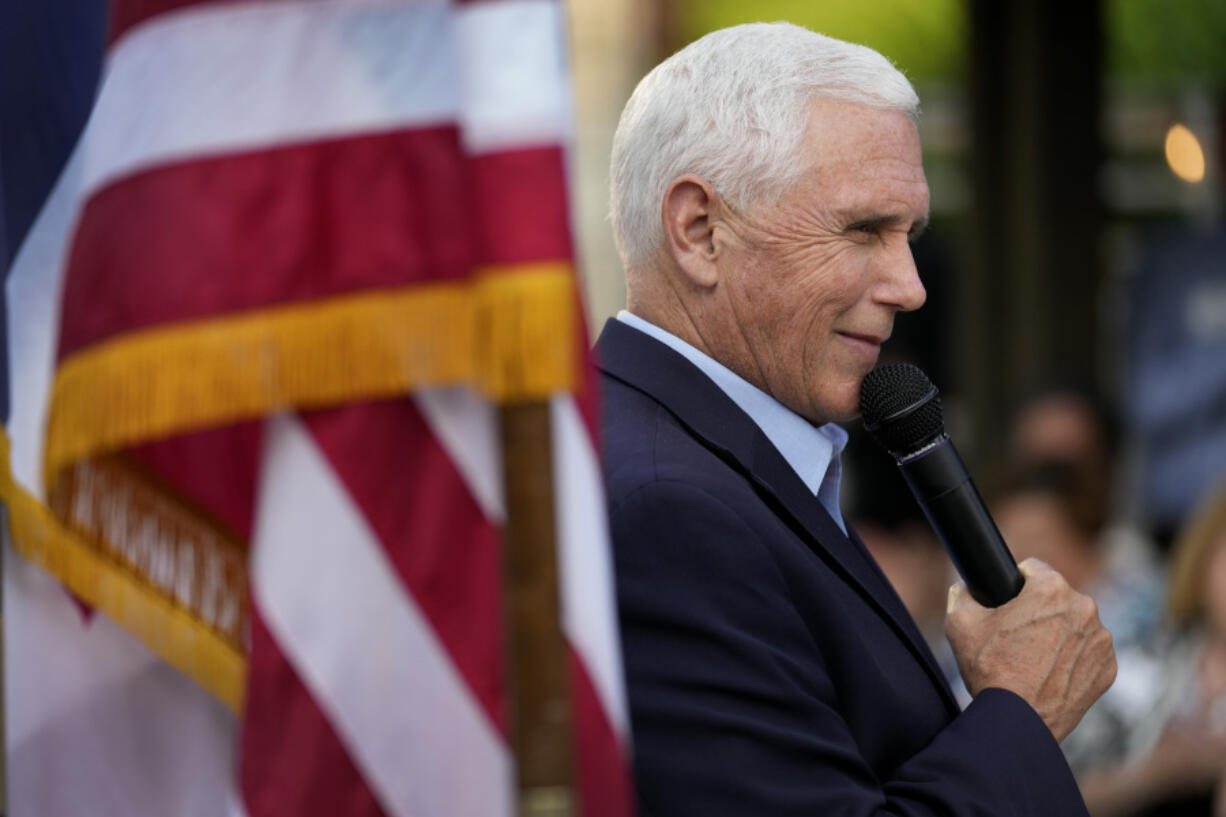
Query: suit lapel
651, 367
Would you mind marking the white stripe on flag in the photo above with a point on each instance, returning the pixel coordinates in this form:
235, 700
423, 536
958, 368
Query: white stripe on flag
361, 645
516, 85
33, 294
221, 78
585, 570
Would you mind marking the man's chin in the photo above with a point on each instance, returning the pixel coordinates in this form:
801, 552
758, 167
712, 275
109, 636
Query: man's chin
821, 415
849, 416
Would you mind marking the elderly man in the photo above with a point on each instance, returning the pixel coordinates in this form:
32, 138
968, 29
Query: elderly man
766, 181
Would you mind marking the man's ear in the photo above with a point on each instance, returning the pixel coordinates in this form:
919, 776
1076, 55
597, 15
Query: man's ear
689, 208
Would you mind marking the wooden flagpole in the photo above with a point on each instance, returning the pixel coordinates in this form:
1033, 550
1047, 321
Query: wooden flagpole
538, 677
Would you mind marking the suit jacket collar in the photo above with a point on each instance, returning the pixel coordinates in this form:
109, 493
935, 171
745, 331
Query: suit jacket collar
654, 369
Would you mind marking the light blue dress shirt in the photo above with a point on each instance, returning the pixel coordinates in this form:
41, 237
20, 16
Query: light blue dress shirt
812, 451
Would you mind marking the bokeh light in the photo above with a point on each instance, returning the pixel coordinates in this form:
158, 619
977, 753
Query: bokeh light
1184, 154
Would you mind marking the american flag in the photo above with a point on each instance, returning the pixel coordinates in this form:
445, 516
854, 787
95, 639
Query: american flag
257, 339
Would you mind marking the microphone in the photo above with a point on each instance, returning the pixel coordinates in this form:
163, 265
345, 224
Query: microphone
901, 409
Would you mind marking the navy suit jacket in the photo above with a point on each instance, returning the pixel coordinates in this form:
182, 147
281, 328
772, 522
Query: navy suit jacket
772, 669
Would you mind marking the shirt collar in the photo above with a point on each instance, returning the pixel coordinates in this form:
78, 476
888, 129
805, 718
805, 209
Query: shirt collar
812, 451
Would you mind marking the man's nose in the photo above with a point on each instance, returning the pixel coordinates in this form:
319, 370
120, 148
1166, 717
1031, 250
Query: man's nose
901, 286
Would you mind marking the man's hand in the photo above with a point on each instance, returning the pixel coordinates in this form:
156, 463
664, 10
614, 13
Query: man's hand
1047, 645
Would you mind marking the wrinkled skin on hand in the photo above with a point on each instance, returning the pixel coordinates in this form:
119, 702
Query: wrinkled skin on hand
1047, 645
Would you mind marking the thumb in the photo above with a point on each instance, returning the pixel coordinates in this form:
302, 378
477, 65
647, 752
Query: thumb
956, 592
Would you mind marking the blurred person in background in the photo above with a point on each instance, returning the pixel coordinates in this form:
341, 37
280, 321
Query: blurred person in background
1175, 756
1067, 424
1051, 510
1176, 377
918, 568
1064, 422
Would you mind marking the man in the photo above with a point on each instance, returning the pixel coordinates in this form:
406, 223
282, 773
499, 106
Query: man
765, 183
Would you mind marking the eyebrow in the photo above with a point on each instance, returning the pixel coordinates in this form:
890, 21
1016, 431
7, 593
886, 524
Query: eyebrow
877, 222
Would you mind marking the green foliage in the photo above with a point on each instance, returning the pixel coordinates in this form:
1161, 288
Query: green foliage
925, 38
1167, 41
1156, 42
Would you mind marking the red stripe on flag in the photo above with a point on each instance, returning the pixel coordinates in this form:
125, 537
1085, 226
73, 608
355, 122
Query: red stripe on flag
293, 764
126, 14
443, 548
521, 205
603, 772
218, 469
213, 236
587, 394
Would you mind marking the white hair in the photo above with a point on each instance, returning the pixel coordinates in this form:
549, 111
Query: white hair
732, 107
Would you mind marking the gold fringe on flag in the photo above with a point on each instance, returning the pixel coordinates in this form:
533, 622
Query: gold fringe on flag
509, 332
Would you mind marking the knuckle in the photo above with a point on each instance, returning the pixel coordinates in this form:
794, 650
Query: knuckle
1111, 669
1042, 582
1106, 641
1052, 587
959, 627
1087, 609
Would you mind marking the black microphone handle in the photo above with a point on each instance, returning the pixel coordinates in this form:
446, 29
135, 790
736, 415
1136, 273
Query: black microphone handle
943, 488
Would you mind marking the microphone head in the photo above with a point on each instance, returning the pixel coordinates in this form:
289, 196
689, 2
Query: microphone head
901, 408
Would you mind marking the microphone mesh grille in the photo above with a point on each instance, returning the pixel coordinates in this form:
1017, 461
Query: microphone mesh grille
891, 389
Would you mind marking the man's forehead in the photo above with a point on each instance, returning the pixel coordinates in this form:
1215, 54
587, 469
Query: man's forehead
837, 127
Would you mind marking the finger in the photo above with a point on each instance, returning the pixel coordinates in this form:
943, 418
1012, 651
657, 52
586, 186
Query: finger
1033, 567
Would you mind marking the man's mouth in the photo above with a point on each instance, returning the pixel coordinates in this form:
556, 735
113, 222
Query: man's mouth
872, 340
